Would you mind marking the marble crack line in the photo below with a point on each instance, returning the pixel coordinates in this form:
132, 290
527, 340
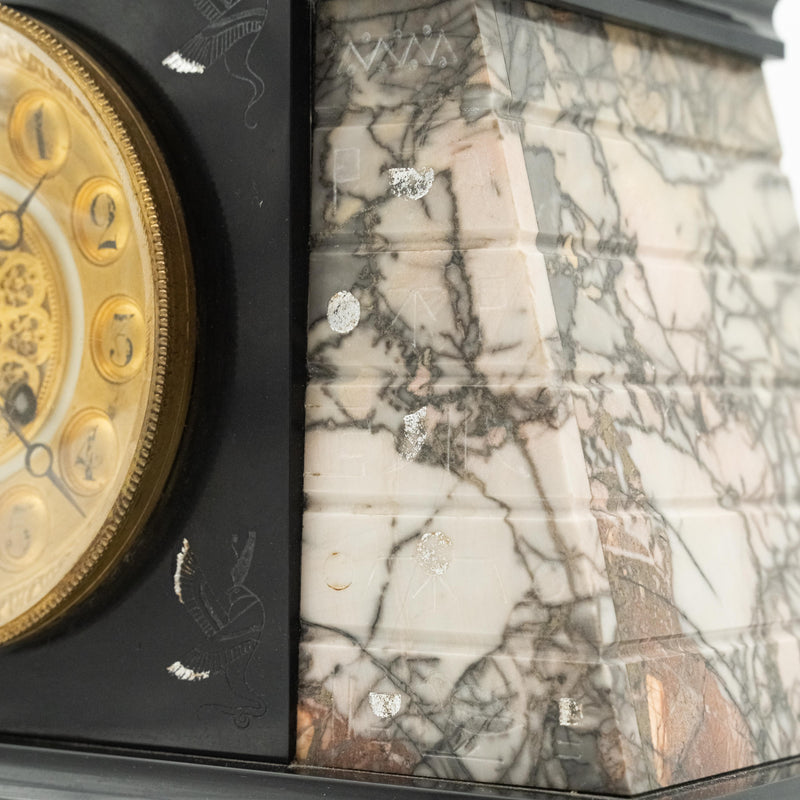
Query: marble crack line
403, 686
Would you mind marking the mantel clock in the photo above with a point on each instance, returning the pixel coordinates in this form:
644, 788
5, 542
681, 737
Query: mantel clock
95, 324
303, 487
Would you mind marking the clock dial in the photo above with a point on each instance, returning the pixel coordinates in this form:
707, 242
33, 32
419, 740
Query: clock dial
96, 337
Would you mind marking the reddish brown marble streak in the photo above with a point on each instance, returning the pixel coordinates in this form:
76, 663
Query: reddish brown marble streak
324, 739
694, 730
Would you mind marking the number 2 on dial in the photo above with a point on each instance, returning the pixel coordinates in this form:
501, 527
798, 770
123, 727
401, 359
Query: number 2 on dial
100, 220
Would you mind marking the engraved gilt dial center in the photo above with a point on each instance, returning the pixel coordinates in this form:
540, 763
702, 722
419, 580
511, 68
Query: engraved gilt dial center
33, 326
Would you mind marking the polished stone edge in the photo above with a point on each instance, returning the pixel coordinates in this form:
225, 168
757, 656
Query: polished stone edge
46, 773
742, 26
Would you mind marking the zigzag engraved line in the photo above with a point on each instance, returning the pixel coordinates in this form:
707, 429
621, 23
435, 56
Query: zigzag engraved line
351, 57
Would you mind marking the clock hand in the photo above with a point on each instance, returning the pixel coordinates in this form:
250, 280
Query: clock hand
20, 409
11, 228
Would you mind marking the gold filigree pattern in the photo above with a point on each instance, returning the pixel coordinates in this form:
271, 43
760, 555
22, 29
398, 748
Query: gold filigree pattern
32, 320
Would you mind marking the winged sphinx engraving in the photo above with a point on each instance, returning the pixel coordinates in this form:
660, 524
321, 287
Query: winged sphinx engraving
232, 628
231, 30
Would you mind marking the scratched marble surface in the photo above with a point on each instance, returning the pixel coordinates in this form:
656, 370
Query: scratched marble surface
552, 535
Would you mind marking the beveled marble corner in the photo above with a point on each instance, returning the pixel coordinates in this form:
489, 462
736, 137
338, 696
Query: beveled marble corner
551, 534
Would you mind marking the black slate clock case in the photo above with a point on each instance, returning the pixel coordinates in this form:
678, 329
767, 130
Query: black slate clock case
81, 698
235, 138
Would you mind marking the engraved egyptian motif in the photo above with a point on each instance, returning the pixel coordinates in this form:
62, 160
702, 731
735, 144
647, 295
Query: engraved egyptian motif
232, 29
417, 310
400, 51
232, 627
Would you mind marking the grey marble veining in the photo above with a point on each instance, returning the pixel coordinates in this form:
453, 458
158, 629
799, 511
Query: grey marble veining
552, 435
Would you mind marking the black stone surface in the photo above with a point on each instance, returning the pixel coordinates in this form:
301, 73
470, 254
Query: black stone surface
101, 676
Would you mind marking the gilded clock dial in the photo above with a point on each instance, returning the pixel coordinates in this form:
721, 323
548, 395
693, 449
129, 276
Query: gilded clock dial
95, 325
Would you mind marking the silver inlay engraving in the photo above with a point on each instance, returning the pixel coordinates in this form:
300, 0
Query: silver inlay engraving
414, 433
344, 312
385, 705
434, 551
570, 712
410, 183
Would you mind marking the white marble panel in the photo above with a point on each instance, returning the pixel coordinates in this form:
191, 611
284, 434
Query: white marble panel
553, 430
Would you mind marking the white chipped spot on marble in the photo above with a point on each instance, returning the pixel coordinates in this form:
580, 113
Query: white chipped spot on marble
410, 183
570, 712
434, 552
414, 433
385, 705
344, 312
338, 571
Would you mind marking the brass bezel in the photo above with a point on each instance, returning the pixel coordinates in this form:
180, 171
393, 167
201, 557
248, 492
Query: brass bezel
170, 387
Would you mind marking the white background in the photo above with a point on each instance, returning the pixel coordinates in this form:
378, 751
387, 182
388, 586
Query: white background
783, 78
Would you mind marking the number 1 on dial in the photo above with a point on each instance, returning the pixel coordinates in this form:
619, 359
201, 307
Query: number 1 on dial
39, 133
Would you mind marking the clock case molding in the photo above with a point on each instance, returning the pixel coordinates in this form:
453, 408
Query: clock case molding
246, 201
743, 26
